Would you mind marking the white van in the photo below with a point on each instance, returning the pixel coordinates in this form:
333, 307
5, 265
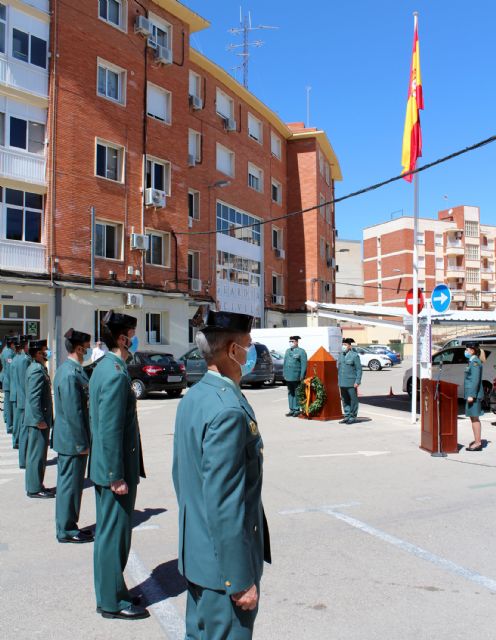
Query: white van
312, 338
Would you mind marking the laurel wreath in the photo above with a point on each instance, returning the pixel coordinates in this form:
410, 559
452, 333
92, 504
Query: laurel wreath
317, 394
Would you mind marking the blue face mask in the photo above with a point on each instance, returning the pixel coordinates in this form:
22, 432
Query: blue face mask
251, 359
133, 347
87, 355
48, 354
468, 355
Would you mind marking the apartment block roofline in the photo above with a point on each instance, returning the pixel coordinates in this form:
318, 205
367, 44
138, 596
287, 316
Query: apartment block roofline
300, 132
192, 19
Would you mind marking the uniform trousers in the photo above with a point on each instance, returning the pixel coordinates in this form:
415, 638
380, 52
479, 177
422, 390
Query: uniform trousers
70, 482
15, 429
7, 413
349, 397
293, 402
112, 545
212, 615
23, 439
36, 458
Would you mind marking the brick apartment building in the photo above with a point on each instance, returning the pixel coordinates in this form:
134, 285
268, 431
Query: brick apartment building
455, 249
107, 109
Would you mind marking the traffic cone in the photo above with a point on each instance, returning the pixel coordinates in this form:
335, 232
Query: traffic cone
391, 394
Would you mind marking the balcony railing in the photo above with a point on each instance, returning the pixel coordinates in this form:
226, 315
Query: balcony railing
19, 165
22, 256
25, 77
455, 243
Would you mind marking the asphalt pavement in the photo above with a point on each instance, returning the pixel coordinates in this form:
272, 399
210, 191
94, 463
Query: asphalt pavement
371, 537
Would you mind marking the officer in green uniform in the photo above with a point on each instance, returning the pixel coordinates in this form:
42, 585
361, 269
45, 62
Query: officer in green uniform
115, 467
13, 398
294, 371
18, 369
71, 437
217, 473
7, 357
473, 392
38, 418
349, 379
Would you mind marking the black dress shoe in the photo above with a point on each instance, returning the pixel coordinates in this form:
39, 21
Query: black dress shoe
289, 415
479, 448
343, 421
87, 532
41, 494
133, 612
136, 600
352, 421
79, 538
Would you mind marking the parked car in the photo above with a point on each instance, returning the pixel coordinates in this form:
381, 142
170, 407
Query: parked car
454, 364
278, 364
394, 356
263, 372
487, 338
374, 361
152, 371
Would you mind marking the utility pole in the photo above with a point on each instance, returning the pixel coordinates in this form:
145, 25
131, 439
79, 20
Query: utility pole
308, 88
244, 29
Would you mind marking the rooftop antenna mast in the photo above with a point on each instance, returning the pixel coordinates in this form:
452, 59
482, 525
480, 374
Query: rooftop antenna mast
245, 28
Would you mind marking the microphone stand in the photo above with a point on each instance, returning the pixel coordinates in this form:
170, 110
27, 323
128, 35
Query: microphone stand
437, 397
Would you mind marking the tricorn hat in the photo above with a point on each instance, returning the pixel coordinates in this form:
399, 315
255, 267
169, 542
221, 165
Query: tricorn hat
227, 321
295, 337
113, 319
472, 345
348, 341
77, 337
36, 345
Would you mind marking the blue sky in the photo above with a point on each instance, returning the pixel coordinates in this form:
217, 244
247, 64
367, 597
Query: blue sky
356, 57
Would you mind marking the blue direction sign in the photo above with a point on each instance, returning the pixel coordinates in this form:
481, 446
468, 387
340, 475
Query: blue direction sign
441, 298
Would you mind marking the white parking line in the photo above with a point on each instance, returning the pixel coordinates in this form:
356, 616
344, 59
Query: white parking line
6, 471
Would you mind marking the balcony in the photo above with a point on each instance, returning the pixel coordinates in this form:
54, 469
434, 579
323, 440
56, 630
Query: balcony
455, 248
487, 249
489, 295
22, 256
19, 165
454, 271
457, 295
24, 77
487, 273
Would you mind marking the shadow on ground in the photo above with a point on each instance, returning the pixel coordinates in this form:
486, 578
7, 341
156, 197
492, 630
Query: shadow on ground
168, 577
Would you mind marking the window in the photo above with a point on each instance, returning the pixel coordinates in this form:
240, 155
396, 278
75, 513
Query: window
328, 252
420, 237
29, 48
224, 104
108, 242
439, 263
322, 247
238, 270
229, 220
276, 238
109, 161
225, 160
439, 239
322, 205
473, 276
158, 103
275, 145
2, 129
471, 229
255, 128
255, 177
321, 163
3, 26
472, 252
421, 262
161, 32
21, 319
194, 145
158, 249
27, 135
193, 269
158, 175
276, 191
328, 211
111, 82
113, 12
473, 298
23, 215
277, 288
194, 84
194, 204
328, 173
154, 328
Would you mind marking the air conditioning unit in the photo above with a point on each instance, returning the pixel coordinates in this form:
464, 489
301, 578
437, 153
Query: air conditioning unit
143, 26
195, 284
163, 55
277, 299
134, 300
280, 253
139, 242
191, 159
190, 222
155, 198
151, 43
196, 102
230, 124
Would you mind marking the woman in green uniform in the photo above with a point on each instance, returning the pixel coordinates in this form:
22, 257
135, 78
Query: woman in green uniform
473, 392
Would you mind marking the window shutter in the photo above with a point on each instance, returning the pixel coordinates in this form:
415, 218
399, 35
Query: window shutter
156, 103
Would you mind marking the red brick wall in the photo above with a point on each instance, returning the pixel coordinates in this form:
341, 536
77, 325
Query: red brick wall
370, 248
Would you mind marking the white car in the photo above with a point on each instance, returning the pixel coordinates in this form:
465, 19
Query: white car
453, 369
373, 361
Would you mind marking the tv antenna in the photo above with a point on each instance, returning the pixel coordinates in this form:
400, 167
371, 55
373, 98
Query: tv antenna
245, 29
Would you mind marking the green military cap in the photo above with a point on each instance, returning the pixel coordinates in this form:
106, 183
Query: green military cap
227, 321
77, 337
36, 345
112, 319
348, 341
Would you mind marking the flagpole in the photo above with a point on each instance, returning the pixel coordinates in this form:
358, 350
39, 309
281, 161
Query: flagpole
415, 296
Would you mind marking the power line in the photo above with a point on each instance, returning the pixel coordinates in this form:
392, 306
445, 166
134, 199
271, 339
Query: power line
354, 194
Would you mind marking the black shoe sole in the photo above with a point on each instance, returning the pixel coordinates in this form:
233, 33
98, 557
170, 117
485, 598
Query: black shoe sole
118, 616
69, 541
136, 600
33, 495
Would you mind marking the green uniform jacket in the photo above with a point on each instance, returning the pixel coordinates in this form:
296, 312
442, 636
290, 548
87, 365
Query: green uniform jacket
295, 364
13, 380
349, 369
38, 396
217, 473
7, 358
472, 387
71, 431
115, 441
18, 369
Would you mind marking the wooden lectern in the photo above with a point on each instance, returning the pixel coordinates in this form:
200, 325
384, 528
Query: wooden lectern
448, 415
324, 366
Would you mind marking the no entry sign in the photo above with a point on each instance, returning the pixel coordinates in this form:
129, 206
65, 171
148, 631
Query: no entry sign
409, 301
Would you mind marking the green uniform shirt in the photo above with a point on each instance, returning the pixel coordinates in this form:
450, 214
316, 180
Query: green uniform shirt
295, 364
349, 369
71, 431
13, 380
38, 396
18, 370
472, 387
6, 357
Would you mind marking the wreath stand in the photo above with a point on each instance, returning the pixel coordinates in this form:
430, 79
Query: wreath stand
322, 378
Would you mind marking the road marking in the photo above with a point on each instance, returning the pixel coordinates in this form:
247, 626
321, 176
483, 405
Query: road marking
367, 454
146, 527
290, 512
419, 552
386, 415
5, 471
163, 609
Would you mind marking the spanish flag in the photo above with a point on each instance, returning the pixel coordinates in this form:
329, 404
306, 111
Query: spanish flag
412, 135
